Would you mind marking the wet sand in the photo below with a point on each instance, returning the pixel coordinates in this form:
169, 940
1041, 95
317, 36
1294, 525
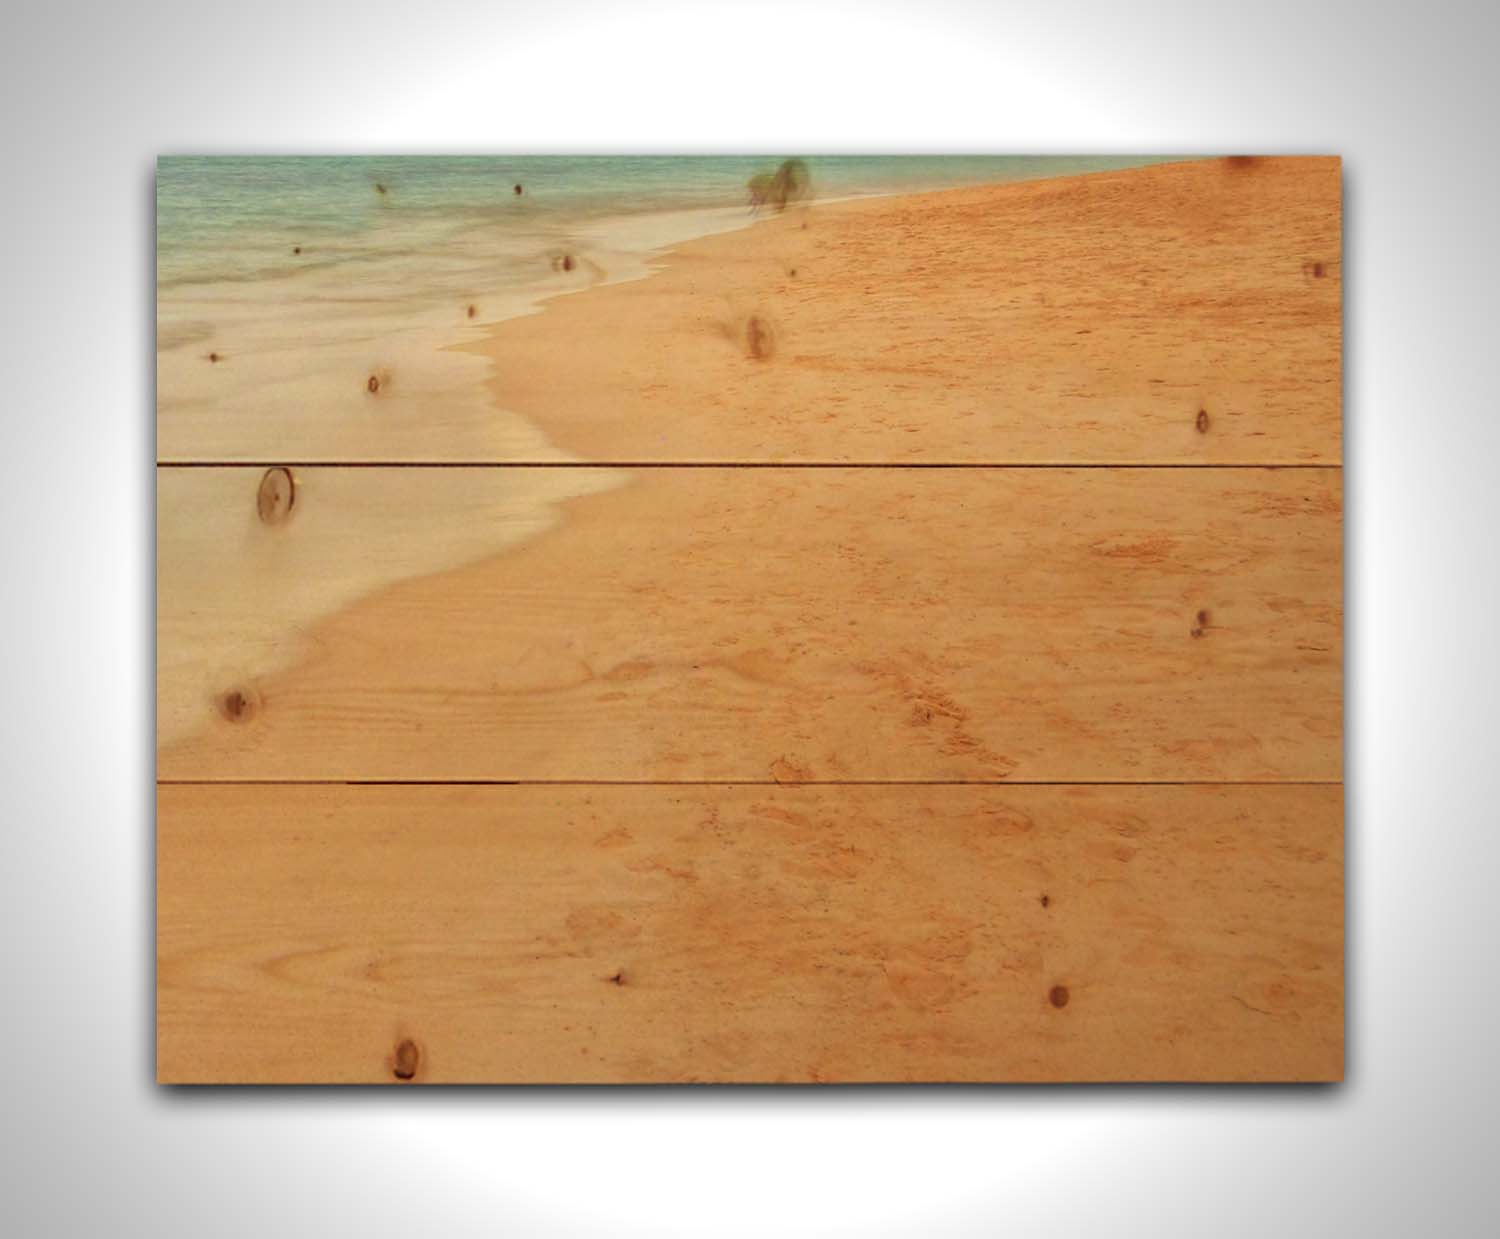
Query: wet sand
353, 361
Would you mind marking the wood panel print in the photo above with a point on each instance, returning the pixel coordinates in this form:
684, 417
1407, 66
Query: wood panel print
821, 619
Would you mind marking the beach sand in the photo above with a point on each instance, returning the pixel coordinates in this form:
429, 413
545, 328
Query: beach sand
632, 679
1181, 313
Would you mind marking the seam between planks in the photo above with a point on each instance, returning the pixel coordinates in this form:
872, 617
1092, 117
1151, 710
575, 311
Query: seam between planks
749, 783
717, 464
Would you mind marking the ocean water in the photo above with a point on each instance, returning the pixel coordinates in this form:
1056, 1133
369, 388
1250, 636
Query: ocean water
285, 284
239, 217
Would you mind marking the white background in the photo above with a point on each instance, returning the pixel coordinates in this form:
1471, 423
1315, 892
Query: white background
92, 96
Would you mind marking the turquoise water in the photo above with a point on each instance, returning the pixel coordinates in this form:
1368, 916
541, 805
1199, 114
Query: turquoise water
238, 217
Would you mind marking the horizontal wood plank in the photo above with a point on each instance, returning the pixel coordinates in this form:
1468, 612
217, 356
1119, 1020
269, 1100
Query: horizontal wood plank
750, 624
654, 934
1183, 313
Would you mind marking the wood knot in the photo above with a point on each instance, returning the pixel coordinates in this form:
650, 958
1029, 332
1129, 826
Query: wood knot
238, 705
472, 311
1318, 270
760, 338
1058, 996
618, 977
1046, 901
277, 493
215, 358
373, 385
406, 1060
1200, 624
1202, 421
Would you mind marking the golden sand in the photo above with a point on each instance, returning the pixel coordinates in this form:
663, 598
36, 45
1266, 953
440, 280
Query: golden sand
1178, 313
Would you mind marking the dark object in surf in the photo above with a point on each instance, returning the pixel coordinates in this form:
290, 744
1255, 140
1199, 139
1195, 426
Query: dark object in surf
518, 191
379, 188
791, 182
296, 249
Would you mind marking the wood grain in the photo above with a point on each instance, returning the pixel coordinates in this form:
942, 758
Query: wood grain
354, 934
621, 750
1185, 313
752, 625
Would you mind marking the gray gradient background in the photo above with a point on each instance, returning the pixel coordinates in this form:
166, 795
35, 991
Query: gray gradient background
92, 96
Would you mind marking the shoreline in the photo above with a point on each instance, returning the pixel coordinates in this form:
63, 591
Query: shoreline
287, 351
1100, 317
299, 354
